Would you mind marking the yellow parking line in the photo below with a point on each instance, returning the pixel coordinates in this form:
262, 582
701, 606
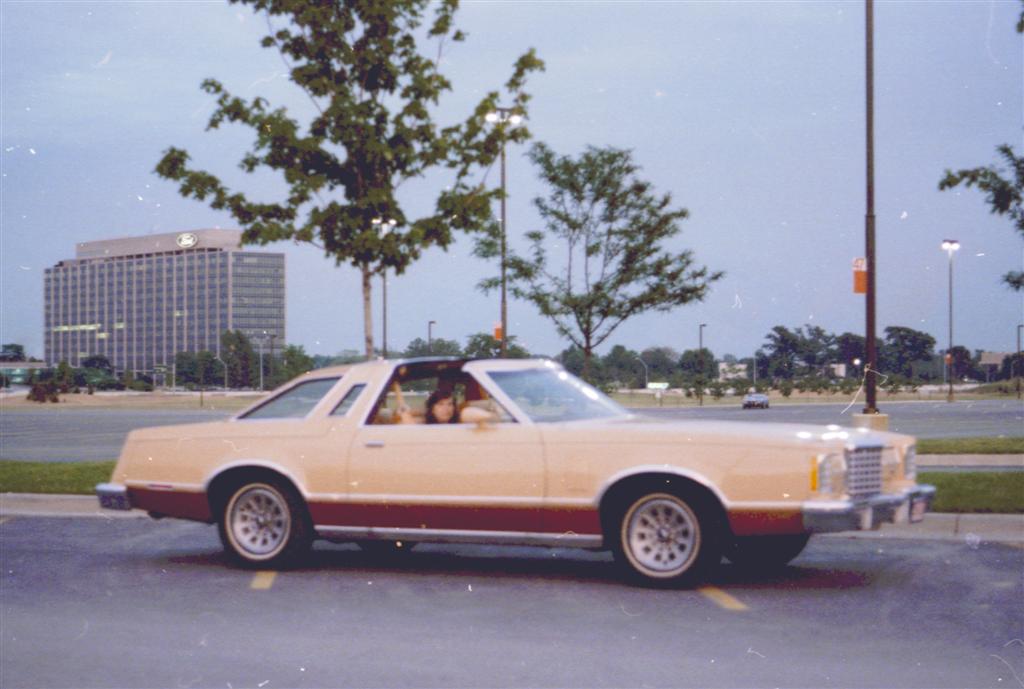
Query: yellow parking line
721, 598
263, 580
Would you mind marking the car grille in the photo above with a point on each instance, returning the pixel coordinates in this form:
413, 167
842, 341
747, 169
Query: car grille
864, 471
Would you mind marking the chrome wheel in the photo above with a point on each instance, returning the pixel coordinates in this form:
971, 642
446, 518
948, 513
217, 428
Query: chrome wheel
259, 522
661, 536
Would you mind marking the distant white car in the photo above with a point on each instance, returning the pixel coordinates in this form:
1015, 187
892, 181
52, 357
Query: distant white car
755, 400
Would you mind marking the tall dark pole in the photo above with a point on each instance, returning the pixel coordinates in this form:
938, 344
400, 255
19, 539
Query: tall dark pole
950, 246
504, 298
700, 360
949, 352
384, 319
430, 336
869, 218
504, 117
1017, 363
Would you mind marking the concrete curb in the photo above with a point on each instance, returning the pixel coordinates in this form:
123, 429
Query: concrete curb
971, 528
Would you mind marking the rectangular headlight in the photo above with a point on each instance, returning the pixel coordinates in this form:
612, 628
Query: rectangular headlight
831, 476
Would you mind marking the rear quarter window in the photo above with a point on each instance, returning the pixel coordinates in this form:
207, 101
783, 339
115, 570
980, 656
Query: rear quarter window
295, 402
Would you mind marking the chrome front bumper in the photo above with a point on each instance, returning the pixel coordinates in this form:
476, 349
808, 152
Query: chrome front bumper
862, 515
113, 496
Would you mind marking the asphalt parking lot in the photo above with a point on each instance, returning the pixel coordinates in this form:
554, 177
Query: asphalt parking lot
132, 602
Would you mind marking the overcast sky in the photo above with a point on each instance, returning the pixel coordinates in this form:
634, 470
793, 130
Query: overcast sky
750, 113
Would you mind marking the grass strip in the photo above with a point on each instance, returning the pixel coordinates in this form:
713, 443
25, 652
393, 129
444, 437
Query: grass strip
966, 492
971, 446
981, 492
69, 478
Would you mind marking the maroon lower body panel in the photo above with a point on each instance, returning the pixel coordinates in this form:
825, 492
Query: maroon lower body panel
456, 517
766, 522
171, 503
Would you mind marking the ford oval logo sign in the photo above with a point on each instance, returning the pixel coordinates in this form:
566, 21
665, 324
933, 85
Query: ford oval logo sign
187, 240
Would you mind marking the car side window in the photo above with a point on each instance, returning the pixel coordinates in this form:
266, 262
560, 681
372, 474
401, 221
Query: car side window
295, 402
348, 400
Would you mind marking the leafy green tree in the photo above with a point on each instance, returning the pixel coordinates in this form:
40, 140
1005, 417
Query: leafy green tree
186, 368
817, 349
64, 376
438, 346
485, 346
624, 367
243, 364
293, 363
1004, 193
783, 349
906, 346
698, 364
375, 92
849, 347
612, 226
575, 361
662, 363
963, 362
1013, 367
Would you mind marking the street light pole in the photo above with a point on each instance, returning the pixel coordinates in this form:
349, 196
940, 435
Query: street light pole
225, 367
261, 363
503, 116
384, 227
646, 377
700, 360
950, 246
871, 355
1016, 364
430, 336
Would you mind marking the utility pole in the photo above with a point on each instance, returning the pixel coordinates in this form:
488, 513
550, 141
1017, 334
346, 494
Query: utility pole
869, 216
1017, 362
700, 362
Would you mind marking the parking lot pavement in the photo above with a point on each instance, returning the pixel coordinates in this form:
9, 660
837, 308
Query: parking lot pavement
97, 603
996, 528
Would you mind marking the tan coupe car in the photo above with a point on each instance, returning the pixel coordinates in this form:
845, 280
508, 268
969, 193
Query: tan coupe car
534, 456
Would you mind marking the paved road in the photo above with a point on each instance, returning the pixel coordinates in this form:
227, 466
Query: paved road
58, 435
74, 435
131, 602
923, 419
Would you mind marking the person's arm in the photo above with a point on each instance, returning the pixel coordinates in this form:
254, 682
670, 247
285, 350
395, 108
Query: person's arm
402, 412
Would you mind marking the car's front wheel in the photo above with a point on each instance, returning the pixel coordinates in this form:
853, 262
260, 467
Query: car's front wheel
264, 523
766, 552
666, 539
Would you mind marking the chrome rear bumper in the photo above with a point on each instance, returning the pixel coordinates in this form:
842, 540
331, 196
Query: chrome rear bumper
863, 515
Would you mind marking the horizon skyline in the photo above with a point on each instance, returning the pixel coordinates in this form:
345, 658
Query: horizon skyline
750, 115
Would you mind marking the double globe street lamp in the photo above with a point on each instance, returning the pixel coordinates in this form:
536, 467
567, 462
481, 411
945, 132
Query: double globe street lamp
503, 116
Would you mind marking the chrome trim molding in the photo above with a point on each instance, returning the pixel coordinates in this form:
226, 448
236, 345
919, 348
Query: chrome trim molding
366, 533
452, 500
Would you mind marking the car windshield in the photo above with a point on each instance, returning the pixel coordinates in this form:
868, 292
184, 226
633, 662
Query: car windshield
555, 395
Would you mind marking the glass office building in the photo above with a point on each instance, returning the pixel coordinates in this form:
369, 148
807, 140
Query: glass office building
141, 300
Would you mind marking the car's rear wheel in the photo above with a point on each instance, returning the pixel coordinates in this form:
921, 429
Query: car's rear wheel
264, 523
766, 552
666, 539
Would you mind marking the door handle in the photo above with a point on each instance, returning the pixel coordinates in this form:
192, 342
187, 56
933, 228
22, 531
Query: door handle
374, 443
